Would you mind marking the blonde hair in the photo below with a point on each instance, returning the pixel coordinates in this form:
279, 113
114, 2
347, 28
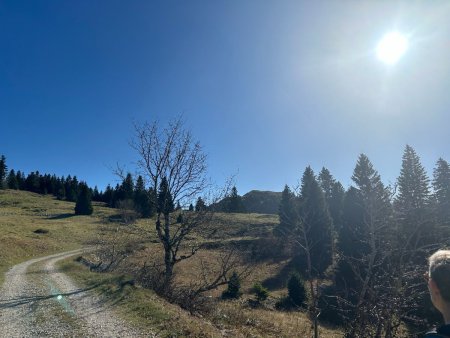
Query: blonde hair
439, 271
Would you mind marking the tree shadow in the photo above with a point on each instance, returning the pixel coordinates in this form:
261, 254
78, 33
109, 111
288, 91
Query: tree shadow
279, 281
13, 302
61, 216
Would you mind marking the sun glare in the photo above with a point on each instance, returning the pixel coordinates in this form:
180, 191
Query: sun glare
392, 47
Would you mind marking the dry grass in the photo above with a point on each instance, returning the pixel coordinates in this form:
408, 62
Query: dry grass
22, 213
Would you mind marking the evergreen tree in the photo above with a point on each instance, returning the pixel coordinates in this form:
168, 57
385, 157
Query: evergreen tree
336, 205
191, 207
83, 205
296, 290
334, 196
142, 201
165, 201
3, 171
315, 226
43, 184
287, 214
234, 287
235, 203
20, 180
96, 195
200, 205
326, 182
32, 182
108, 196
412, 204
75, 189
128, 187
60, 189
365, 245
441, 187
12, 180
71, 188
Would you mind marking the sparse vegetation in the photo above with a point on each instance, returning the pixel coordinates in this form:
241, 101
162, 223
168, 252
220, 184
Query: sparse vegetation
261, 292
233, 290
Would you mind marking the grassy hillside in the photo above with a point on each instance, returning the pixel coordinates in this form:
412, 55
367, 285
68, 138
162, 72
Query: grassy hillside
34, 225
22, 213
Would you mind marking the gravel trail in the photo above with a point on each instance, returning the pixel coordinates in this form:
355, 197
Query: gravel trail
37, 300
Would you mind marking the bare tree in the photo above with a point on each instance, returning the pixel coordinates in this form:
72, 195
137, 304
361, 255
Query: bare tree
174, 165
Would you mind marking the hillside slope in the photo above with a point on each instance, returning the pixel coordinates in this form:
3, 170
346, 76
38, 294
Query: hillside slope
33, 225
262, 202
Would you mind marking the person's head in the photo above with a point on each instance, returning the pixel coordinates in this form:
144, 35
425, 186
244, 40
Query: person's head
439, 279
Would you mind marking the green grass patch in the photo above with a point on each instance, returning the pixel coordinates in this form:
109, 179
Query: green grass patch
33, 225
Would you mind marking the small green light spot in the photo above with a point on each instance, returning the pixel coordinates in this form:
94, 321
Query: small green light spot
59, 297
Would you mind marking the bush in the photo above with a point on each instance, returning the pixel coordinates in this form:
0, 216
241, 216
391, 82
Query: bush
284, 303
234, 287
261, 292
296, 290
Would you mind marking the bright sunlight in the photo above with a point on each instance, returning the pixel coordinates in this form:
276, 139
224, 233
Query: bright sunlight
392, 47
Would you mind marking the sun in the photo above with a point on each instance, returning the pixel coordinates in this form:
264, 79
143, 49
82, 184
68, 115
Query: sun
392, 47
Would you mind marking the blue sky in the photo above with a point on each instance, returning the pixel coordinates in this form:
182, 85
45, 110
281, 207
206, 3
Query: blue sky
267, 87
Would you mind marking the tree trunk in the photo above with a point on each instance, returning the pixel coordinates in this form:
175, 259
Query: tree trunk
168, 259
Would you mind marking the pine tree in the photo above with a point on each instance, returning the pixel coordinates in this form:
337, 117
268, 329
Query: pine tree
234, 287
235, 203
12, 180
200, 205
191, 207
108, 196
20, 180
287, 214
334, 196
32, 182
441, 186
315, 226
296, 290
128, 187
326, 182
83, 205
336, 205
3, 171
60, 189
365, 247
412, 204
142, 201
165, 201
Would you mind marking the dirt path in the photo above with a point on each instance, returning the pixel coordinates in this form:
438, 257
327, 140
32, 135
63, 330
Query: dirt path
37, 300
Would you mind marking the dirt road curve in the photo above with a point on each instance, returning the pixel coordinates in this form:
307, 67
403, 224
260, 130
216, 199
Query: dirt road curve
38, 301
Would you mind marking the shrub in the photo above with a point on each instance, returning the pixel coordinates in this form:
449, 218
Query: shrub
261, 292
234, 287
296, 290
284, 303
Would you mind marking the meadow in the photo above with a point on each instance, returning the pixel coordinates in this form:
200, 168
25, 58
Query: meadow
34, 225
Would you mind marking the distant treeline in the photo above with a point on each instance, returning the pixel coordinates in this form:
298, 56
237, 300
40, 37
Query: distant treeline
127, 194
63, 188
